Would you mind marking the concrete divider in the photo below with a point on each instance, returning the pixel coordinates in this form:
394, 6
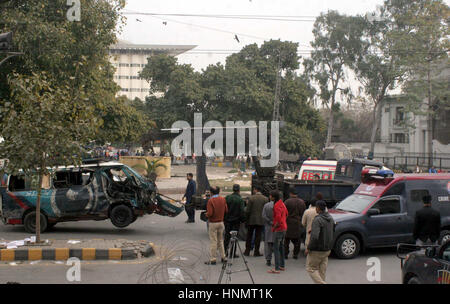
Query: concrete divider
55, 254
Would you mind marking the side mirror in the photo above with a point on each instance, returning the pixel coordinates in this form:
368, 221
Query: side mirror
430, 252
372, 212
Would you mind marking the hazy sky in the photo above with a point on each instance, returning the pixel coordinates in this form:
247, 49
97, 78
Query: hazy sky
152, 30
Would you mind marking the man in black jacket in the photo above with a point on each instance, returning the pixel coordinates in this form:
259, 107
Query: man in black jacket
320, 244
427, 224
235, 215
190, 192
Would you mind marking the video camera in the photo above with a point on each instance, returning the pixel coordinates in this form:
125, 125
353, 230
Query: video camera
199, 202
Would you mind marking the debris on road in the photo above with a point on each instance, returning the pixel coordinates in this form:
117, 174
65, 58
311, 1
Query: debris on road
175, 275
73, 242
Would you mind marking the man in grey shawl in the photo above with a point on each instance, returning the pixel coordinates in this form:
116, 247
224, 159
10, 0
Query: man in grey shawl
267, 215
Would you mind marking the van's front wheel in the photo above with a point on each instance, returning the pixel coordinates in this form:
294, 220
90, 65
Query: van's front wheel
121, 216
347, 246
29, 222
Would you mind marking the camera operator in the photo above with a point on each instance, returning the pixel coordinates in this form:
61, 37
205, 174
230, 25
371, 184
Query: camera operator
234, 217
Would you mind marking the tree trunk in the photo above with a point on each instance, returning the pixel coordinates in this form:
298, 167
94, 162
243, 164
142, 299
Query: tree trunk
376, 123
330, 126
38, 209
202, 177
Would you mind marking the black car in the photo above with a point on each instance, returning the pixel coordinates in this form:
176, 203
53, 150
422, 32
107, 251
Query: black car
425, 265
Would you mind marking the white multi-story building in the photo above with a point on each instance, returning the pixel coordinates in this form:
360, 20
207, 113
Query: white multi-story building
129, 59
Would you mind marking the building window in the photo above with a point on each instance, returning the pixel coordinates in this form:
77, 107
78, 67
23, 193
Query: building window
135, 90
124, 77
135, 77
399, 115
145, 90
124, 65
400, 138
135, 65
124, 90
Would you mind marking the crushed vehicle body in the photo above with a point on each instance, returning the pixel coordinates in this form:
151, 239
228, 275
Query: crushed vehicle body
99, 191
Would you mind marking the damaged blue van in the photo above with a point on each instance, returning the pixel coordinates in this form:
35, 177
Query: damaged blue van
99, 191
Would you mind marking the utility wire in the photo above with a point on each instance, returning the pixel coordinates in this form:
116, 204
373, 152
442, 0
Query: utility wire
210, 28
221, 16
214, 29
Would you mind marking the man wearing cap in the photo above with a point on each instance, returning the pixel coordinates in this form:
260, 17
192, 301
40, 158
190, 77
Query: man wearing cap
427, 224
235, 215
320, 244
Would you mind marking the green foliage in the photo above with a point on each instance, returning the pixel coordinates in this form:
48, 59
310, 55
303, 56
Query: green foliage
241, 90
75, 54
298, 139
42, 125
410, 36
124, 122
150, 166
425, 51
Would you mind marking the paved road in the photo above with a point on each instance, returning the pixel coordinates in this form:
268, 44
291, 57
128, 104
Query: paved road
170, 233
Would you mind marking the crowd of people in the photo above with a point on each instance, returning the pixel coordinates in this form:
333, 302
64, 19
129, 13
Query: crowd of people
281, 222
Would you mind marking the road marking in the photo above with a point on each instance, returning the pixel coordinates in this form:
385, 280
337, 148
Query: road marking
115, 262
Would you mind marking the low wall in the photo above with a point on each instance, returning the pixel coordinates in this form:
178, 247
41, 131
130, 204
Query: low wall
132, 161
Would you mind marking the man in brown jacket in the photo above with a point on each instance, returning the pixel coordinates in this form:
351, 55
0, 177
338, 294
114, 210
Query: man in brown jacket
215, 211
255, 223
296, 207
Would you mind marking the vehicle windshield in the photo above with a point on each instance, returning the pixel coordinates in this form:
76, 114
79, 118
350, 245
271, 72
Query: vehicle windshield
355, 203
137, 175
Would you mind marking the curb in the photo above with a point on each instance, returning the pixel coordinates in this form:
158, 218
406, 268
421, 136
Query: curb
58, 254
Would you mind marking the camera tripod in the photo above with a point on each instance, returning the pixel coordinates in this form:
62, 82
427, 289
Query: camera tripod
226, 267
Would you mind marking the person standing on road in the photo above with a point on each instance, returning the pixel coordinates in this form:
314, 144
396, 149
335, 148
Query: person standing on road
234, 217
190, 192
267, 216
215, 212
427, 224
279, 228
432, 170
255, 222
309, 216
295, 207
320, 244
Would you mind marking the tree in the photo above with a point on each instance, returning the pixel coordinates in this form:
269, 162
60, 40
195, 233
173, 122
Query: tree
378, 67
50, 95
425, 49
123, 123
183, 95
335, 46
241, 90
43, 127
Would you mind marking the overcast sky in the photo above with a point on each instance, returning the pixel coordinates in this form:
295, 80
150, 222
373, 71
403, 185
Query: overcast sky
178, 31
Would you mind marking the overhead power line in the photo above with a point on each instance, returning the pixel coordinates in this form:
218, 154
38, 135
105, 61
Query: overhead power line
222, 16
212, 29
